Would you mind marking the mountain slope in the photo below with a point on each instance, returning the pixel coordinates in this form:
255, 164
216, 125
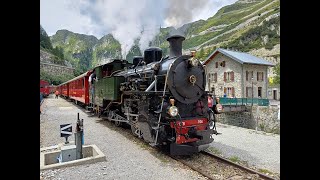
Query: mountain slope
228, 24
50, 55
77, 48
106, 48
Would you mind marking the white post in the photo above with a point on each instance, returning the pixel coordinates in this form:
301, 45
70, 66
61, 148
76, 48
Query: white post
279, 112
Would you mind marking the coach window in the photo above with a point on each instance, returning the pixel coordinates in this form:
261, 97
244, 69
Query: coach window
107, 70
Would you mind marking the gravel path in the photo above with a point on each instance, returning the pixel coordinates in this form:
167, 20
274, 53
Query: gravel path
126, 159
258, 149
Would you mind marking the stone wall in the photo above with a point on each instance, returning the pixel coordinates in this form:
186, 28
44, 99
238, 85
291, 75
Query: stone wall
265, 118
56, 69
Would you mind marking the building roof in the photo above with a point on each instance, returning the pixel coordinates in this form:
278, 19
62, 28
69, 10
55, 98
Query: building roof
243, 58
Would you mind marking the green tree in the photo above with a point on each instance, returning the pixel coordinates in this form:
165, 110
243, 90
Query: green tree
45, 40
200, 54
276, 69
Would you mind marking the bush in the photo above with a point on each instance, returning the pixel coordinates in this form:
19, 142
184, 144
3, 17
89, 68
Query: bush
55, 79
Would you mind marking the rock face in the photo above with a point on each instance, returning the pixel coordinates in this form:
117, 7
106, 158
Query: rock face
77, 47
106, 48
86, 51
46, 57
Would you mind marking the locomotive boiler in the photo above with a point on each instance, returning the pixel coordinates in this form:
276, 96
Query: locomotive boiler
163, 99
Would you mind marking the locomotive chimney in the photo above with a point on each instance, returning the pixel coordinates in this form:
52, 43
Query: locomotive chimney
175, 42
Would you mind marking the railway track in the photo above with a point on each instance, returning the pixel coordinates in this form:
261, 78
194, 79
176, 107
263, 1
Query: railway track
216, 167
237, 165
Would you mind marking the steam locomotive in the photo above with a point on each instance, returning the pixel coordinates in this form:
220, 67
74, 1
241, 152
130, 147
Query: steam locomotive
163, 99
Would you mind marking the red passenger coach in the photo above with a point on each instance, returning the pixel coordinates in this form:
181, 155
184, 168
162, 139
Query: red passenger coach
64, 90
79, 88
44, 88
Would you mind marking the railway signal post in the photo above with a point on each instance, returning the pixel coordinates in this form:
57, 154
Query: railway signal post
66, 131
79, 138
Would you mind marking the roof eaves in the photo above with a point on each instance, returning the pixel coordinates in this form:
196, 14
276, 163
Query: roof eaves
207, 60
232, 57
260, 64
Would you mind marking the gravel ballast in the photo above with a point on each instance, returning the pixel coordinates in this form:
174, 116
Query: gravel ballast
256, 148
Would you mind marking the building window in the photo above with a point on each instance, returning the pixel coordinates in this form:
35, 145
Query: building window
223, 64
249, 75
249, 93
229, 91
229, 76
216, 64
215, 78
259, 76
259, 92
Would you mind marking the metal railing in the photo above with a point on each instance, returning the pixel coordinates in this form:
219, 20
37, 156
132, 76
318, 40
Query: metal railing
244, 101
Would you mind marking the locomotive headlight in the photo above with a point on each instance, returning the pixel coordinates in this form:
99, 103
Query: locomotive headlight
194, 62
173, 111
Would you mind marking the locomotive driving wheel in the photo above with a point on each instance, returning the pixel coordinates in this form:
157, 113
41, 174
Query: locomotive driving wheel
117, 123
134, 127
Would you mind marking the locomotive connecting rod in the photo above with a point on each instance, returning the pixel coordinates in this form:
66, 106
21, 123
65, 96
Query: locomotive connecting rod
151, 86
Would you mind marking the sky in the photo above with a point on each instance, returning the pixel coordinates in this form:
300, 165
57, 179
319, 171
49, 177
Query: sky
124, 19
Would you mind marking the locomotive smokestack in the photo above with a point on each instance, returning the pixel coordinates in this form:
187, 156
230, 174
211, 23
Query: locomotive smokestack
175, 42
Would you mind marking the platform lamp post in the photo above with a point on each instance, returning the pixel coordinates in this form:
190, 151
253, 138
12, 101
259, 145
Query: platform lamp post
251, 91
252, 102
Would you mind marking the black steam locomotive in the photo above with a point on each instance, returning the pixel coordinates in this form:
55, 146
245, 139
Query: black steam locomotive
163, 99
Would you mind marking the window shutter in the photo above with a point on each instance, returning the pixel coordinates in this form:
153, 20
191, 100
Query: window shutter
257, 76
232, 91
216, 64
224, 63
232, 76
225, 76
262, 76
225, 90
215, 77
247, 73
247, 89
